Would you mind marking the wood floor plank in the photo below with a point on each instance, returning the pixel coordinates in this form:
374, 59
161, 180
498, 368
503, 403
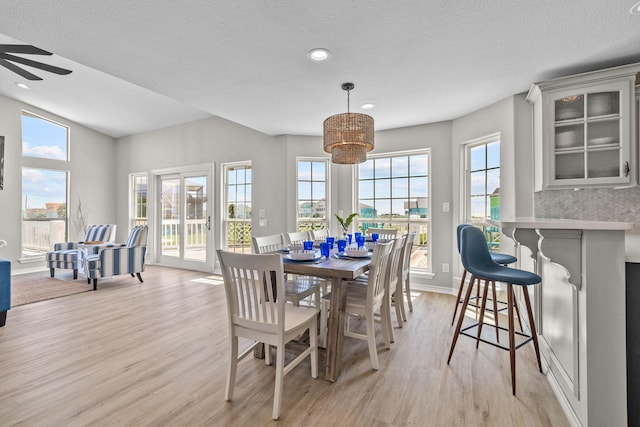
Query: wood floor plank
155, 353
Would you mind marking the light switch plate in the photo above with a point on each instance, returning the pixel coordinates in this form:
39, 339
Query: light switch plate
262, 213
445, 206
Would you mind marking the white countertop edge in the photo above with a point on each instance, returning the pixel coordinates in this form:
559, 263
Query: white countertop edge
566, 224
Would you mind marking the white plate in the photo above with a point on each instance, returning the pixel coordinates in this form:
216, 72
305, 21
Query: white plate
357, 254
305, 256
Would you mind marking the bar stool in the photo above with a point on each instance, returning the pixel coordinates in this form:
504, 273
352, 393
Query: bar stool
503, 259
477, 260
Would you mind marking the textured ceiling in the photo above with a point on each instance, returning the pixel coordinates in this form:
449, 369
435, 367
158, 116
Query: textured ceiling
149, 64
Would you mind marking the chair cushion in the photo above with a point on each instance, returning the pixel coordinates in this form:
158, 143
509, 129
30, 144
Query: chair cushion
66, 256
477, 260
99, 233
137, 237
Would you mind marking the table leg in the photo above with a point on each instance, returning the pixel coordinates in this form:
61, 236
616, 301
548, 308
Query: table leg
335, 332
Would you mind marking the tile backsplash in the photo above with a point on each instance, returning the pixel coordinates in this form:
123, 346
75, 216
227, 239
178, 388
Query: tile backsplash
598, 204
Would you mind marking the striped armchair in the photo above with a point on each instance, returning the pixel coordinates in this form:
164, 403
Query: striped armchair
66, 255
126, 258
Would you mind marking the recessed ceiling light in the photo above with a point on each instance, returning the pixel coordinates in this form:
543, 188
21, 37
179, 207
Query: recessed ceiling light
319, 54
22, 85
367, 106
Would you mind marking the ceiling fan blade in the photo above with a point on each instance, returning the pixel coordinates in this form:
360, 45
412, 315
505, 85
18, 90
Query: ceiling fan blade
24, 73
35, 64
23, 48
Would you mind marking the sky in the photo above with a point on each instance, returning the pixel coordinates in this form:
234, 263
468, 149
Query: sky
43, 139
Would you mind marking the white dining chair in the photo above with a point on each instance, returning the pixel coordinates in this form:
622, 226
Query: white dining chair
383, 233
252, 283
297, 237
297, 288
364, 301
392, 286
404, 277
320, 234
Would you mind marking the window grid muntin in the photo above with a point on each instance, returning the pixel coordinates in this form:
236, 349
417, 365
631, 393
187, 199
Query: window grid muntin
418, 169
317, 181
237, 228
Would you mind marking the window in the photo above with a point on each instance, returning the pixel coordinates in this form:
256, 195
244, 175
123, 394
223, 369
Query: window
44, 210
44, 188
483, 187
393, 192
43, 138
139, 186
312, 194
237, 207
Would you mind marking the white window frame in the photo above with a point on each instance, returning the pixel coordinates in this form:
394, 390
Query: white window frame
133, 219
466, 158
428, 222
327, 189
223, 204
50, 164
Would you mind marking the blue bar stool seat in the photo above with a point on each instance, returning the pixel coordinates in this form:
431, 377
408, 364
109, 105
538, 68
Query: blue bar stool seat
503, 259
477, 260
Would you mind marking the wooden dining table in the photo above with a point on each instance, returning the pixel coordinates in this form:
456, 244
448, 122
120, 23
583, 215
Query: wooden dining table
339, 271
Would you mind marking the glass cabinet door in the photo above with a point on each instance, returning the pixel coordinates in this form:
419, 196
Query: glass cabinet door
586, 141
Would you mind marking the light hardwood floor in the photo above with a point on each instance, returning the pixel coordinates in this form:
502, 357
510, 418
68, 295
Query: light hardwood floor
156, 354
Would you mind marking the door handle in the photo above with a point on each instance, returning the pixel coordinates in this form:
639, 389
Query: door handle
208, 223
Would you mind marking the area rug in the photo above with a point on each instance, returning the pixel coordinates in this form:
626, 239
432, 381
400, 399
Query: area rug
33, 287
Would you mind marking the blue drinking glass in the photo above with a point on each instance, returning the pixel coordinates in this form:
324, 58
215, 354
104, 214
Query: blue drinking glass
374, 236
356, 234
360, 241
342, 245
308, 245
349, 238
331, 241
325, 249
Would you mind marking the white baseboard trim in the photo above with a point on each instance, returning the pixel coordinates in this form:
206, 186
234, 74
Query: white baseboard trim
557, 390
19, 271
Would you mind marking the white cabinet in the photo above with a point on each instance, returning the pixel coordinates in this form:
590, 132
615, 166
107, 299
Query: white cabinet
580, 313
584, 130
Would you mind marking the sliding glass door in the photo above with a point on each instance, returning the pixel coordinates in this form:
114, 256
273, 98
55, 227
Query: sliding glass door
184, 226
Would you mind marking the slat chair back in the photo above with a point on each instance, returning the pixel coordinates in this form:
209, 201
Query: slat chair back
377, 273
267, 244
321, 234
383, 233
391, 284
403, 274
297, 237
251, 283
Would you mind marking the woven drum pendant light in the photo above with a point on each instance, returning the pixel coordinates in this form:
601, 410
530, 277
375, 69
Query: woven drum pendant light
348, 136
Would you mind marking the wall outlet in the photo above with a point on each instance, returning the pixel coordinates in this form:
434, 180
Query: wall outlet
262, 223
445, 267
445, 207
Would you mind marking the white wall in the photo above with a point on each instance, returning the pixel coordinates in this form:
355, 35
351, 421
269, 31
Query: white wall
436, 137
103, 183
92, 177
511, 118
210, 141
